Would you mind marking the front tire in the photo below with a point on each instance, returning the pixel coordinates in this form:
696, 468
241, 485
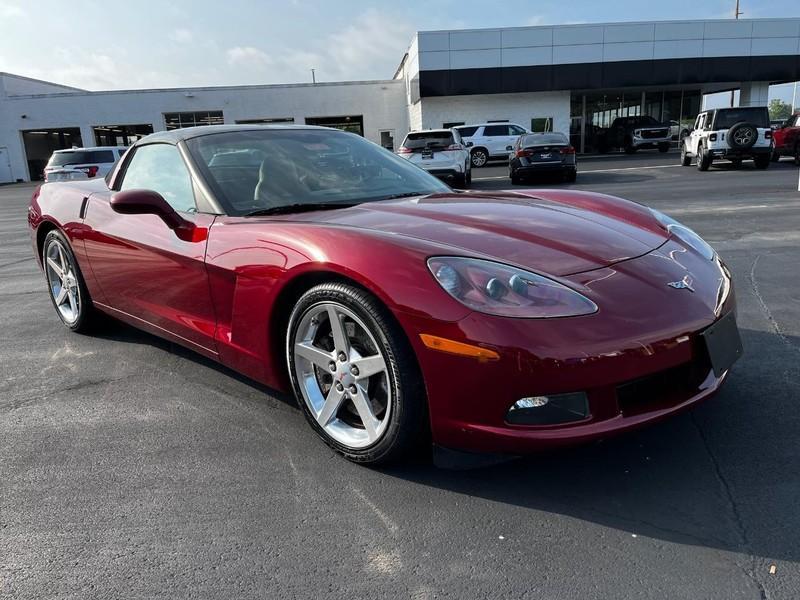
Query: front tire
354, 374
686, 160
479, 158
68, 291
663, 147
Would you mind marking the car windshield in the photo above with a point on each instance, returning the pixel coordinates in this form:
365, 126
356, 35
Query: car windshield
726, 119
303, 167
539, 139
80, 157
428, 139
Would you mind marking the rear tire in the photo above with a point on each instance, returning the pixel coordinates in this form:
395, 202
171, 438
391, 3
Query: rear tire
66, 285
762, 161
571, 176
368, 418
776, 157
704, 159
516, 179
460, 181
629, 147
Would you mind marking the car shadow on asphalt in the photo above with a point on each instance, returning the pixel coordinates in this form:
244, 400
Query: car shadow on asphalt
723, 475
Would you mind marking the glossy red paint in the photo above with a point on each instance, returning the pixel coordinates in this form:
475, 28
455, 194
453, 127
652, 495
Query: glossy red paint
787, 138
228, 295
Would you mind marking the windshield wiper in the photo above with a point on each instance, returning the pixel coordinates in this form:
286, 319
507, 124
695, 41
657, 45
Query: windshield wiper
403, 195
297, 207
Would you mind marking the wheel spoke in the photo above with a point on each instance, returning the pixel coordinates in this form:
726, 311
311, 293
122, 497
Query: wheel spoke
362, 404
73, 301
369, 366
62, 295
332, 403
315, 355
62, 259
337, 328
56, 268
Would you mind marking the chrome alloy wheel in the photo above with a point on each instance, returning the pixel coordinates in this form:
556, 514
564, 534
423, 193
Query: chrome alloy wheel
744, 136
63, 282
342, 375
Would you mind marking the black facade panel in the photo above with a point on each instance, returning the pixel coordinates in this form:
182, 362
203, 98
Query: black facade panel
475, 81
589, 76
579, 76
528, 79
725, 68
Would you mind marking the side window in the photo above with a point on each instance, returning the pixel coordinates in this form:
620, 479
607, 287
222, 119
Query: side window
159, 167
492, 130
517, 130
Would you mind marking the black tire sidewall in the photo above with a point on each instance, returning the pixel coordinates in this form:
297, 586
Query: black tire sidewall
408, 400
83, 322
731, 136
478, 151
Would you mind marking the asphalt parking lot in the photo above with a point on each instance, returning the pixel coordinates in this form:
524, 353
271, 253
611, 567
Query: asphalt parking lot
131, 468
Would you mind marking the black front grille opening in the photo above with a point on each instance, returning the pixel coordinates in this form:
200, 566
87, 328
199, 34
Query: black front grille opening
663, 389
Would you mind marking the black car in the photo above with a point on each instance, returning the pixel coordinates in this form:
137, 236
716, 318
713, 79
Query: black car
540, 153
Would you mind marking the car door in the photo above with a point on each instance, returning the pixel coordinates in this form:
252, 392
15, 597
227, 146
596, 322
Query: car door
695, 136
514, 132
144, 270
495, 138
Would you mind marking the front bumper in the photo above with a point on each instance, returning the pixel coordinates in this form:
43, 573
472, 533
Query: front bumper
640, 142
645, 334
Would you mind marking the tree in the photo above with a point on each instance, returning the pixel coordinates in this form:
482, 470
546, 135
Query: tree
779, 110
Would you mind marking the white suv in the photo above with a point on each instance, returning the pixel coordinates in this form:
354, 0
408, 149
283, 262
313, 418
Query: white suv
82, 163
733, 134
440, 152
490, 140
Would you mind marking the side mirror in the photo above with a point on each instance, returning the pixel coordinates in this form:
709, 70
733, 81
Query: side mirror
509, 148
148, 202
469, 144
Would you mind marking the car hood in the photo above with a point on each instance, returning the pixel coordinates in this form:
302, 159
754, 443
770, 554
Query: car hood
562, 234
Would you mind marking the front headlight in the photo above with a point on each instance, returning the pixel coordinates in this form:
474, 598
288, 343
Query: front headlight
685, 234
505, 291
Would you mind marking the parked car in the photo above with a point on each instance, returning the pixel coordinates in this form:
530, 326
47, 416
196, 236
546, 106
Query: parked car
535, 153
787, 139
489, 141
635, 133
440, 152
733, 134
395, 309
677, 131
82, 163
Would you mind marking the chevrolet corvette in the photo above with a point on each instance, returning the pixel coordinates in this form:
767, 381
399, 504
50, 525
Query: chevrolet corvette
399, 312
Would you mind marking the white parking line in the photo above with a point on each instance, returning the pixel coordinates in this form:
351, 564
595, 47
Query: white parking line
591, 171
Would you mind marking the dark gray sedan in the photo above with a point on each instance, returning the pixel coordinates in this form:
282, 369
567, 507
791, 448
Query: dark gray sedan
534, 153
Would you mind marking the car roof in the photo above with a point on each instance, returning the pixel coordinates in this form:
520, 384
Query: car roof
91, 148
447, 130
178, 135
488, 124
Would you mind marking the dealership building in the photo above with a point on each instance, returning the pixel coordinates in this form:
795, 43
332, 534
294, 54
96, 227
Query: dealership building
570, 78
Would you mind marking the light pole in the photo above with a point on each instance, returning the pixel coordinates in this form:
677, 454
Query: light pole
313, 76
736, 14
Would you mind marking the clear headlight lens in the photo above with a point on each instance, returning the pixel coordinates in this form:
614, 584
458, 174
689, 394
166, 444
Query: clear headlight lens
686, 235
502, 290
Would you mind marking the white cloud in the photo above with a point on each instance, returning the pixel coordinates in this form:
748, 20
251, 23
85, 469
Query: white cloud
535, 20
369, 47
8, 11
248, 56
182, 36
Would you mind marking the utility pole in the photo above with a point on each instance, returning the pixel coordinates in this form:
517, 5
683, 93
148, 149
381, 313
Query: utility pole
736, 14
313, 76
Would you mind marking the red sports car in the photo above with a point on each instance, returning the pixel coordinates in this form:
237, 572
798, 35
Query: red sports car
396, 310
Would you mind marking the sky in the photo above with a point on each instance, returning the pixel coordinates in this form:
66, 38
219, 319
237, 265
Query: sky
109, 44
